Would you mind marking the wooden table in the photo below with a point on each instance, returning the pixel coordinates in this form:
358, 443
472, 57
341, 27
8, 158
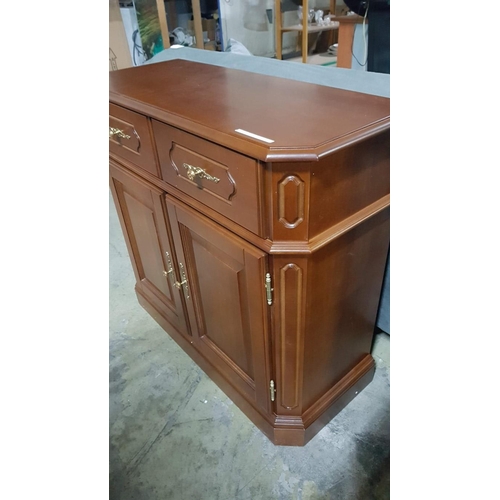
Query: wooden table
346, 36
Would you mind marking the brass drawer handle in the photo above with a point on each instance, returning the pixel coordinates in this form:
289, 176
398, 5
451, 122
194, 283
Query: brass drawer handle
192, 172
119, 133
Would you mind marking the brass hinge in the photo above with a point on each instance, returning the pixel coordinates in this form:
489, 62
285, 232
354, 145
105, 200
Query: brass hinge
272, 389
269, 290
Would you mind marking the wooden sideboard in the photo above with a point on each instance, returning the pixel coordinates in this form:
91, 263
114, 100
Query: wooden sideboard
256, 214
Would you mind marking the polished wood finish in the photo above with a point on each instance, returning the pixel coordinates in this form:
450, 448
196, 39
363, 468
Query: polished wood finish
305, 121
227, 304
137, 146
142, 216
349, 273
236, 191
311, 209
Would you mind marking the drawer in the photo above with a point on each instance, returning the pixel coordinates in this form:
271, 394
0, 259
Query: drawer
220, 178
130, 138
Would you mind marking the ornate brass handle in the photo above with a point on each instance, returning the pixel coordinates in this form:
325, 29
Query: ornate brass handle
171, 274
192, 172
184, 283
119, 133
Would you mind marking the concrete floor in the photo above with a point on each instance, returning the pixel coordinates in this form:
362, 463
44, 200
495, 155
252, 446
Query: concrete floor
174, 435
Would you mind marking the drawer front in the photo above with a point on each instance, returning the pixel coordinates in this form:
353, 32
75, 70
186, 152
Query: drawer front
130, 138
220, 178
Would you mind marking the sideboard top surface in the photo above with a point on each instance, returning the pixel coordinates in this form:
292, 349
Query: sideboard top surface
304, 121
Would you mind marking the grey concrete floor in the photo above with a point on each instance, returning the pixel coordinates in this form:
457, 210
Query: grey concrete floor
174, 435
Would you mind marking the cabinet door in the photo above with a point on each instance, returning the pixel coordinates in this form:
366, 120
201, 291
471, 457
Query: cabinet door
225, 300
142, 216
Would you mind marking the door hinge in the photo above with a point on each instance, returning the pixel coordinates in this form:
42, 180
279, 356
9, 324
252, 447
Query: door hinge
269, 290
272, 390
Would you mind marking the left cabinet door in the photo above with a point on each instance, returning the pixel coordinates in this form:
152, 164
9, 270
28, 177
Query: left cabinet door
142, 216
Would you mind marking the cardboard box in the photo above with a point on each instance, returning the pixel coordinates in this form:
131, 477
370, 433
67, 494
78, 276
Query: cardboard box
119, 53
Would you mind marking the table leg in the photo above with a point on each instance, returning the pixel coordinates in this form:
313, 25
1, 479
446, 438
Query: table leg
277, 27
305, 17
198, 28
344, 52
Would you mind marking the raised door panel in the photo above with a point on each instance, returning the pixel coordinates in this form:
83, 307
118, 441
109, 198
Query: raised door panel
144, 225
227, 307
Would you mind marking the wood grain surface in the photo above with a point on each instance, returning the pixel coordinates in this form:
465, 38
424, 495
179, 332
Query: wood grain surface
304, 120
310, 209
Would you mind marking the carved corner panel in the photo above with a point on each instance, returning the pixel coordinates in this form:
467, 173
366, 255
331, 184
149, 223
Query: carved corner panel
291, 281
291, 201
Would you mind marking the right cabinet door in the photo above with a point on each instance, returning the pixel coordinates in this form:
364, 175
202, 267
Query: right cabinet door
226, 301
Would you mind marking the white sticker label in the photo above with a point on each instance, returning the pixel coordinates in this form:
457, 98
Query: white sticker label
255, 136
